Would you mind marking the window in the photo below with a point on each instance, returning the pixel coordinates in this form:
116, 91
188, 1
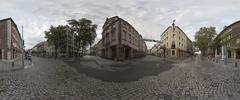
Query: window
173, 52
107, 38
238, 41
130, 37
125, 36
114, 34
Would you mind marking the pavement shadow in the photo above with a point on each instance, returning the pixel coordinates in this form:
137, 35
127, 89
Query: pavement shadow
132, 72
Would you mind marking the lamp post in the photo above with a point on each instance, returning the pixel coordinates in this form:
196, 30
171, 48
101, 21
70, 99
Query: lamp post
235, 59
22, 49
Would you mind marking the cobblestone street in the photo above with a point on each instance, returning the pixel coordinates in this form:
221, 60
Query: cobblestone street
186, 80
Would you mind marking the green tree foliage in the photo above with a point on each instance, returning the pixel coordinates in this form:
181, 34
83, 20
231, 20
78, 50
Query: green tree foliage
85, 32
83, 29
204, 38
55, 36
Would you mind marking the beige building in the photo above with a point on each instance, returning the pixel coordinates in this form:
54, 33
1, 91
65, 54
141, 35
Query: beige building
176, 42
120, 40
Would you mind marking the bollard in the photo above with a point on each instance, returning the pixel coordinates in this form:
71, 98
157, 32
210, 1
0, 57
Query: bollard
12, 64
235, 64
225, 60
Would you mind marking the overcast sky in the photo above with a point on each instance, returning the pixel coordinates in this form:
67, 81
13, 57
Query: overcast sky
149, 17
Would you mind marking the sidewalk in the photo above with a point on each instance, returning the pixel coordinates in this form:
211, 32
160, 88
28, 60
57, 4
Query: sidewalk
230, 62
12, 65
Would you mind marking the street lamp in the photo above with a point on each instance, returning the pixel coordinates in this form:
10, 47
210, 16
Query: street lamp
22, 49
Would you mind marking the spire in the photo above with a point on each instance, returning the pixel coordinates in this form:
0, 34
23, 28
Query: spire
173, 25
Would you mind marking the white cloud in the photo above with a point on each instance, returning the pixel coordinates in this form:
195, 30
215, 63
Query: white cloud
149, 17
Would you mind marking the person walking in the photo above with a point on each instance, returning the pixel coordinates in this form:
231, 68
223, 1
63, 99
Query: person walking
30, 59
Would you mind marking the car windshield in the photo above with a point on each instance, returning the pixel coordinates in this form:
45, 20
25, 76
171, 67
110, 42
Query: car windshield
119, 50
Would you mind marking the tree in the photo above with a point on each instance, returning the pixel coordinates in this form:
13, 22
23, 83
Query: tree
55, 36
204, 38
85, 32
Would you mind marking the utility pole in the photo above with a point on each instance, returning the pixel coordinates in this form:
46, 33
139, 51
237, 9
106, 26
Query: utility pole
23, 49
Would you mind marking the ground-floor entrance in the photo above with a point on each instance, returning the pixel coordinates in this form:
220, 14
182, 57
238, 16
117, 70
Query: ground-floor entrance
127, 52
113, 52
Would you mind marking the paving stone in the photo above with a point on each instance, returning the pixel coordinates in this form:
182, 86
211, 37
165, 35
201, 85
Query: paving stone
53, 79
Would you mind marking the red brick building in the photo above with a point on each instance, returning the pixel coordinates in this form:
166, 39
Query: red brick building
10, 40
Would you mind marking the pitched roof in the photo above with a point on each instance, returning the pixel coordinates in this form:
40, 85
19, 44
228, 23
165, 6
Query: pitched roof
225, 29
179, 29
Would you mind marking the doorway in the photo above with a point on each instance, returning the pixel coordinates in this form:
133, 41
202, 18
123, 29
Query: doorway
238, 53
127, 52
114, 52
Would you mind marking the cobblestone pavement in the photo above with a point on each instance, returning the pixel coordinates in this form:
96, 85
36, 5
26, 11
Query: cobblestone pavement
131, 70
188, 80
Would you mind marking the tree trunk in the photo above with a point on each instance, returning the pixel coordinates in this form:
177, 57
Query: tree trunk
203, 52
82, 51
55, 52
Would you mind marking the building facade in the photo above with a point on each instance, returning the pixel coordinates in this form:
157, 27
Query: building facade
11, 43
99, 48
176, 42
120, 40
156, 50
71, 44
40, 49
229, 38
